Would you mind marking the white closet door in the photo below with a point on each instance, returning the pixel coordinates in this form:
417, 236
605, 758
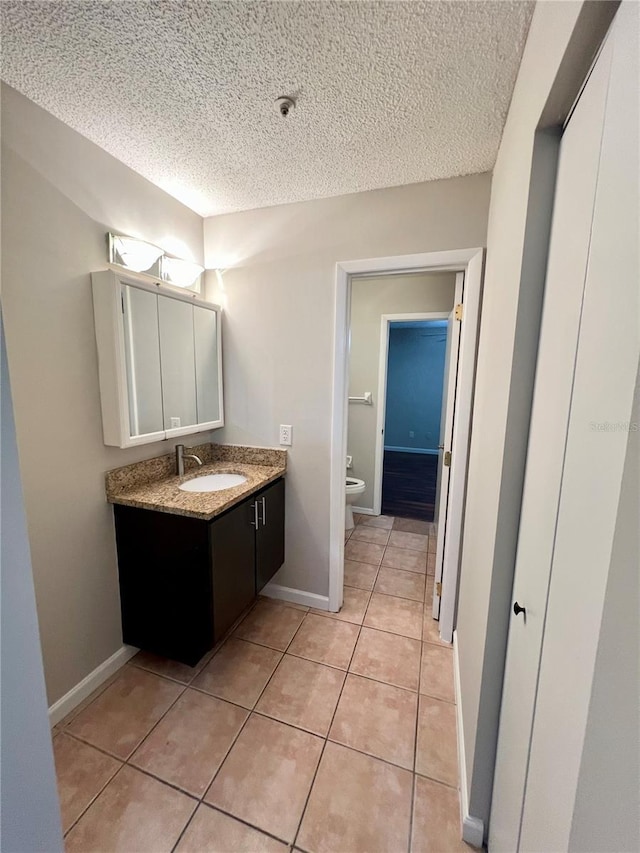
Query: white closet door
568, 256
601, 405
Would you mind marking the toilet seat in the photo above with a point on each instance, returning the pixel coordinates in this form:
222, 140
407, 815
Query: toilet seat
354, 486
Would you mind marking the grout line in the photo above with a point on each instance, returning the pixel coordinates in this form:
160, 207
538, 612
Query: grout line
250, 712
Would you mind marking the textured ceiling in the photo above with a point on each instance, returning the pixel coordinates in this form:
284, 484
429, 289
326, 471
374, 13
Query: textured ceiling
388, 93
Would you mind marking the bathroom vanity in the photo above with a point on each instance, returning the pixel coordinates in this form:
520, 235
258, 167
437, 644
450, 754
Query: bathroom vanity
190, 563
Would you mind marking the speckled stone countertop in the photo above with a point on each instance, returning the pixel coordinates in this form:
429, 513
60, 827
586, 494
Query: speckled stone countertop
153, 484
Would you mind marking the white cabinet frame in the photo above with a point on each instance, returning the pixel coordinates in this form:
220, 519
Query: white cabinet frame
112, 370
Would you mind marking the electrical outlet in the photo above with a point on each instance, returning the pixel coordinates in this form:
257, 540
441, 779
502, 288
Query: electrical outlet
175, 423
285, 434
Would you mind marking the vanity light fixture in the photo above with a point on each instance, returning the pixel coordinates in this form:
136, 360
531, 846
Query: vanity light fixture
148, 259
136, 255
178, 272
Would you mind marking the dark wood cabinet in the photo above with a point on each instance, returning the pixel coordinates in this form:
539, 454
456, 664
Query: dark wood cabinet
184, 582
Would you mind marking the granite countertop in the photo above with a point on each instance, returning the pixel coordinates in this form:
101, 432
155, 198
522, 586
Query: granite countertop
153, 485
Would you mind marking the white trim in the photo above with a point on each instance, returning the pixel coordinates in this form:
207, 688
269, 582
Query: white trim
297, 596
84, 688
363, 510
465, 384
430, 452
469, 261
383, 358
472, 827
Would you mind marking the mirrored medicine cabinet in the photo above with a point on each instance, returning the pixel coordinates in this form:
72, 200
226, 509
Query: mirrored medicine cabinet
159, 361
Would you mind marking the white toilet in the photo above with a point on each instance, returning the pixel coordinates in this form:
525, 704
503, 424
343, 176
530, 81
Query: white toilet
354, 489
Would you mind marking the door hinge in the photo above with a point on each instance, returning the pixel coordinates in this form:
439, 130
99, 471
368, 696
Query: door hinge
439, 589
447, 458
458, 313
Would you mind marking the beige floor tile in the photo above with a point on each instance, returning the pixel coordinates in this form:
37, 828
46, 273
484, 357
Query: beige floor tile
190, 742
368, 533
383, 521
396, 615
433, 544
325, 641
436, 672
64, 722
82, 772
133, 813
270, 625
431, 564
363, 552
266, 777
354, 606
126, 711
169, 668
302, 693
210, 831
436, 819
413, 541
377, 719
437, 752
387, 657
357, 804
238, 672
359, 575
400, 583
430, 626
405, 559
410, 525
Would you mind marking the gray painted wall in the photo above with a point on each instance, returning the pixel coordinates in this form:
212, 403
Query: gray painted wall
29, 810
514, 278
278, 330
60, 195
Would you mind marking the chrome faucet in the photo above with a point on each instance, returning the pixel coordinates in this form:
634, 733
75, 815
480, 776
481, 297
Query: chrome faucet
181, 456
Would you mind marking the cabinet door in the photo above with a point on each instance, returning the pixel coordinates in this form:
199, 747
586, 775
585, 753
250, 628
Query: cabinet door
270, 533
178, 363
142, 356
165, 583
232, 544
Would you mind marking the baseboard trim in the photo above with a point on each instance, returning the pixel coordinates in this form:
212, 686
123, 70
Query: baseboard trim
296, 596
77, 694
472, 827
427, 451
363, 510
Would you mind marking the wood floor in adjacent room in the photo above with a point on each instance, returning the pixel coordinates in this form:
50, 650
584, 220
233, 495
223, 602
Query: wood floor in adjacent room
409, 485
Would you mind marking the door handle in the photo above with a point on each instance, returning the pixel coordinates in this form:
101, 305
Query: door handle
254, 523
518, 610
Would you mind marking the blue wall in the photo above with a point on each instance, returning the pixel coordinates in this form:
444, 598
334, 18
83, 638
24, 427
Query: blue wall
415, 375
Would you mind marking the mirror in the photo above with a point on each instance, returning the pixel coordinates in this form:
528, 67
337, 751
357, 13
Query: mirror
159, 359
177, 356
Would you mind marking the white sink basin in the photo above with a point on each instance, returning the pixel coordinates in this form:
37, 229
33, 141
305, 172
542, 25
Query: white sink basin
213, 483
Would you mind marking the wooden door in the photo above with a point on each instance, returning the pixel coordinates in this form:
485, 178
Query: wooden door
232, 545
270, 533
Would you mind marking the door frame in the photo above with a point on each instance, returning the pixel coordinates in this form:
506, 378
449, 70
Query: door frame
471, 263
385, 325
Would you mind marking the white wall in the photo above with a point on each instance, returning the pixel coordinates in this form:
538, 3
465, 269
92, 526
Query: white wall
506, 362
29, 809
60, 195
370, 299
279, 293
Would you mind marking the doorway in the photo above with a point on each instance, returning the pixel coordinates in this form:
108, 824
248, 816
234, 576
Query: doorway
468, 264
412, 369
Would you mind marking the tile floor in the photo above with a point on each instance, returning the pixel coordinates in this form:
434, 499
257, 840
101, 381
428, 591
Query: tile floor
324, 733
